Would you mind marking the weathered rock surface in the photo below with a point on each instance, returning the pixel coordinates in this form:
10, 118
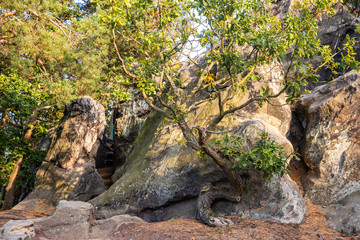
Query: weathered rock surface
161, 178
105, 227
344, 216
18, 230
331, 118
332, 32
71, 220
129, 117
68, 171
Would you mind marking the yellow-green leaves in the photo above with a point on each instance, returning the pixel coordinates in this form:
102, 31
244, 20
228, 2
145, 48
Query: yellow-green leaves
265, 155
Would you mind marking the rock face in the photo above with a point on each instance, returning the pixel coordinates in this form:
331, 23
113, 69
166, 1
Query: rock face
161, 178
331, 118
68, 171
129, 117
71, 220
344, 216
18, 230
332, 32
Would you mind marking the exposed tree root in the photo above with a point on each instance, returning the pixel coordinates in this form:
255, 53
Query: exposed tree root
207, 196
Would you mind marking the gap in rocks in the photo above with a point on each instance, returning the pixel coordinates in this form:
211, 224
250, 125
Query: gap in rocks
105, 161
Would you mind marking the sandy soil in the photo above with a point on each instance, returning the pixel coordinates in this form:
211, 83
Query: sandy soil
313, 227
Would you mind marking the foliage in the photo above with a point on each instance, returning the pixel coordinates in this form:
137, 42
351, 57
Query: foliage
32, 162
50, 53
53, 51
153, 39
266, 155
353, 5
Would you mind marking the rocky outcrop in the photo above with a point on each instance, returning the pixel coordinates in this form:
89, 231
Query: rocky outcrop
332, 32
18, 230
344, 216
129, 117
331, 144
71, 220
162, 177
68, 171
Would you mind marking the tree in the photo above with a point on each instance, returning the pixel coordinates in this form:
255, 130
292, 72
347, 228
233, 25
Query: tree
50, 52
353, 5
152, 39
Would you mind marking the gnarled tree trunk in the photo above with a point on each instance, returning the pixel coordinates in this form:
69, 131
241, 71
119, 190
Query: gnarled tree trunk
209, 193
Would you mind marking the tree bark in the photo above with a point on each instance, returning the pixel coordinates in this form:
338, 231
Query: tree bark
209, 193
207, 196
11, 186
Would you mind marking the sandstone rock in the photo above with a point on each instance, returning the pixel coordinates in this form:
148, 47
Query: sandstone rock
105, 227
161, 178
129, 117
18, 230
331, 146
68, 171
344, 216
275, 199
332, 32
71, 220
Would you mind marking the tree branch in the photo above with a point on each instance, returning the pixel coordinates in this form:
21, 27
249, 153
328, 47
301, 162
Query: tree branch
216, 120
6, 16
147, 100
122, 60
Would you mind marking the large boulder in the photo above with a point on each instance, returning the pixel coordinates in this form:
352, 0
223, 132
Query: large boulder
344, 216
71, 220
18, 230
330, 148
68, 171
162, 176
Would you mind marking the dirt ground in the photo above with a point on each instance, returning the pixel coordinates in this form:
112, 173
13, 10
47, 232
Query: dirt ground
313, 226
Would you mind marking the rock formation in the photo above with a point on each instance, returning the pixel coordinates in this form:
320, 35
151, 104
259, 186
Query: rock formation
330, 148
332, 32
344, 216
68, 171
129, 117
331, 145
71, 220
327, 131
161, 178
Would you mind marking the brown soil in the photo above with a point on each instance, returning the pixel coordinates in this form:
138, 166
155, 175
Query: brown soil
313, 226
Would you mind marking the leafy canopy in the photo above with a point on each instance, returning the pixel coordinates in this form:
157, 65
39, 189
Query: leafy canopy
153, 39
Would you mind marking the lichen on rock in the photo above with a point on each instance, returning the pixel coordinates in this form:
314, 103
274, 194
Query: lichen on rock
68, 171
